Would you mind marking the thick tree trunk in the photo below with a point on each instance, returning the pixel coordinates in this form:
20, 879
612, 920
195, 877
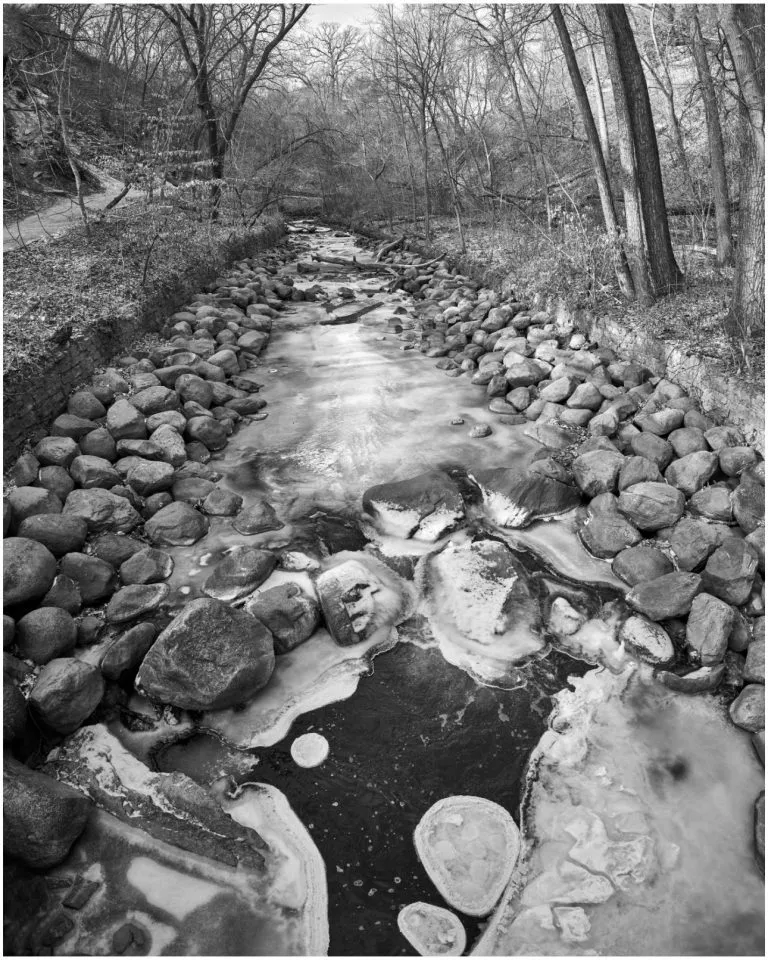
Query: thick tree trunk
715, 137
635, 246
623, 274
602, 120
665, 272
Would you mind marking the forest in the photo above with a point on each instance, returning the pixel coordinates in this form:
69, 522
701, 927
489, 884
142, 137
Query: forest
601, 153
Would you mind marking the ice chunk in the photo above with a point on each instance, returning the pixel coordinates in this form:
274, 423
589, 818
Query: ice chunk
310, 749
432, 931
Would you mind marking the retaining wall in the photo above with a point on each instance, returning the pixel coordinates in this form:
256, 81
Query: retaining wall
38, 393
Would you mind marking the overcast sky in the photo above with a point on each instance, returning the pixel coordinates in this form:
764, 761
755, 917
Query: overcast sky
353, 14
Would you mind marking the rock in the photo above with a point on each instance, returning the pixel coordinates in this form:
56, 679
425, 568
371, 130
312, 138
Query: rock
698, 681
239, 573
597, 472
171, 443
687, 440
146, 566
56, 451
564, 620
259, 517
730, 571
42, 818
604, 531
102, 510
652, 448
57, 480
748, 709
661, 422
651, 506
558, 390
710, 623
726, 436
756, 540
89, 472
136, 600
513, 498
66, 693
734, 460
760, 826
155, 400
14, 711
221, 503
178, 524
469, 847
714, 503
114, 548
208, 431
29, 501
692, 541
690, 473
209, 657
168, 418
45, 633
431, 930
748, 502
68, 425
754, 669
28, 570
424, 507
24, 472
9, 630
125, 422
86, 405
106, 386
147, 477
89, 630
647, 641
665, 597
99, 443
191, 387
191, 489
640, 563
64, 593
59, 533
246, 406
95, 578
586, 395
124, 654
638, 470
288, 612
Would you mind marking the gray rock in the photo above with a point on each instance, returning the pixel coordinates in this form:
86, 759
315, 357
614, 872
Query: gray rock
57, 480
56, 451
136, 600
665, 597
690, 473
89, 472
734, 460
146, 566
424, 507
288, 612
191, 489
178, 524
171, 443
754, 669
24, 471
748, 502
28, 570
687, 440
756, 540
125, 422
692, 541
42, 818
14, 711
586, 395
597, 472
208, 431
653, 448
748, 709
604, 531
102, 510
155, 400
147, 477
66, 693
45, 633
710, 623
660, 423
59, 533
730, 571
222, 503
638, 470
64, 592
29, 501
647, 641
124, 655
210, 657
68, 425
651, 506
697, 681
99, 443
114, 548
640, 563
96, 579
86, 405
725, 436
239, 573
714, 503
259, 517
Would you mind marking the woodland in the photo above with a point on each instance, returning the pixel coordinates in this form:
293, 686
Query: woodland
606, 154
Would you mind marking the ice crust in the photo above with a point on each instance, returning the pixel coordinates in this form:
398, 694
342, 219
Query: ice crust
432, 931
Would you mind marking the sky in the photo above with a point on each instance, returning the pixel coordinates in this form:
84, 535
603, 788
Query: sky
347, 14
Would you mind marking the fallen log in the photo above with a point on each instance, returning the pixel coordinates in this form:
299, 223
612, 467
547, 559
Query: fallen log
389, 247
355, 264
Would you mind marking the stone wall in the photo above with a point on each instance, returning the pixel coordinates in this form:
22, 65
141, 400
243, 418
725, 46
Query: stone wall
36, 394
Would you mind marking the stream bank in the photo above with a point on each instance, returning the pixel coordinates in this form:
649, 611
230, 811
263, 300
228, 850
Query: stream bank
351, 406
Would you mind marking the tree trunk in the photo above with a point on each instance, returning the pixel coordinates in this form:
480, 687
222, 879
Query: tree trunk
715, 136
425, 162
621, 267
665, 272
635, 246
602, 119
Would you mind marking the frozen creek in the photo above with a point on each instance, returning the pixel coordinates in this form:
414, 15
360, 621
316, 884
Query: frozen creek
634, 803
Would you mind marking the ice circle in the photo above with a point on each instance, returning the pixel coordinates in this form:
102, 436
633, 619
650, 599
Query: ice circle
310, 749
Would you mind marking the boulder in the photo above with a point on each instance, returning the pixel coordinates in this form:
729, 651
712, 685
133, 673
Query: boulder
221, 503
95, 578
288, 612
597, 472
660, 423
687, 440
239, 573
171, 443
258, 517
64, 592
651, 506
748, 709
136, 600
148, 476
515, 498
85, 404
191, 489
604, 531
730, 571
124, 655
724, 436
647, 641
29, 501
754, 668
665, 597
67, 425
57, 480
89, 472
178, 524
66, 693
155, 400
564, 619
691, 472
28, 570
102, 510
756, 540
424, 507
692, 541
56, 451
638, 470
748, 502
714, 503
42, 818
24, 471
208, 431
640, 563
99, 443
734, 460
209, 657
710, 623
146, 566
125, 422
58, 532
114, 548
191, 387
44, 634
653, 448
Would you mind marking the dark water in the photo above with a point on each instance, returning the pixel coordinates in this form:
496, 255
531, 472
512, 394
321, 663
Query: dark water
417, 730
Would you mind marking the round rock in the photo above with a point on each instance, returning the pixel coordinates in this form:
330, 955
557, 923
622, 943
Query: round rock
66, 693
136, 600
45, 633
177, 525
28, 570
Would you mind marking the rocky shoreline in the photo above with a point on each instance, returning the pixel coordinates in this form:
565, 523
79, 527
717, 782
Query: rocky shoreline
128, 473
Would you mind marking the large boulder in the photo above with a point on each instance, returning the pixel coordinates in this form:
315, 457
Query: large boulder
66, 693
730, 571
239, 573
290, 614
709, 626
176, 525
423, 507
514, 498
155, 399
651, 506
42, 818
638, 470
102, 510
28, 570
171, 443
209, 657
713, 503
665, 597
